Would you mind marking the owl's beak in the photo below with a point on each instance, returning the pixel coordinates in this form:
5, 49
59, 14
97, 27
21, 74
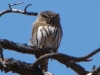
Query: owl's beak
48, 20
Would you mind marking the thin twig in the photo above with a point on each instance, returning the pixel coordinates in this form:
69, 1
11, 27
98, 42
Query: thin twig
90, 54
10, 10
9, 6
16, 3
27, 7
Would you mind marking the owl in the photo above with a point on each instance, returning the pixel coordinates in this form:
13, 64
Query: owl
47, 32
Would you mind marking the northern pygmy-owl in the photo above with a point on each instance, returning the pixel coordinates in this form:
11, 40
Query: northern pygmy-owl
47, 32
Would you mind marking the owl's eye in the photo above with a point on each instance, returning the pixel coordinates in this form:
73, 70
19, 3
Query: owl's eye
45, 16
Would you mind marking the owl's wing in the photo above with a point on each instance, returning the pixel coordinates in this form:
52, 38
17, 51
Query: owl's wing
33, 40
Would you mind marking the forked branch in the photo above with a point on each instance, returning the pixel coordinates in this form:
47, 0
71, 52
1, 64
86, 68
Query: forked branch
10, 10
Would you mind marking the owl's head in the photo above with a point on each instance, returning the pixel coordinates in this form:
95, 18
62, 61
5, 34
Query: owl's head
49, 17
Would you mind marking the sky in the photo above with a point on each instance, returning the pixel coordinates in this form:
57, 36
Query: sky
80, 21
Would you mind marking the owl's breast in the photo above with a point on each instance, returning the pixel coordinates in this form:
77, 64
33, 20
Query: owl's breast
48, 36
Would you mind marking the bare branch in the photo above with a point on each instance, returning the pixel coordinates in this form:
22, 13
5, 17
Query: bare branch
23, 48
22, 68
27, 7
16, 46
64, 59
10, 7
16, 4
78, 68
90, 54
59, 57
10, 10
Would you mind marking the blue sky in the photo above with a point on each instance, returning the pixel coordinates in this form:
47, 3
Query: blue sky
80, 20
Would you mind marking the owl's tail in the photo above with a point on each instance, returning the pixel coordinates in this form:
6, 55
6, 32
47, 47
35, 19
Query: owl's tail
44, 65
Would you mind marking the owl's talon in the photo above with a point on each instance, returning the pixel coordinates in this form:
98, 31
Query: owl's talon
41, 47
52, 51
33, 46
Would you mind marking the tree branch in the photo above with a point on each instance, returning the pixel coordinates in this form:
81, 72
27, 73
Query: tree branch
59, 57
10, 10
16, 4
90, 54
23, 48
62, 58
22, 68
78, 68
